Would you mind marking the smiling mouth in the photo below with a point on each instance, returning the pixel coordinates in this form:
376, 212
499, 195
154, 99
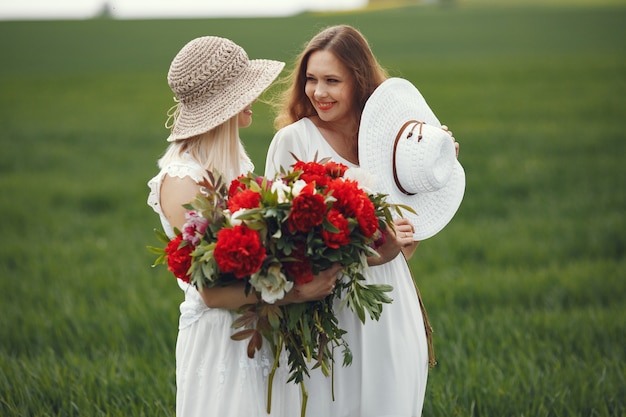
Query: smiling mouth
325, 106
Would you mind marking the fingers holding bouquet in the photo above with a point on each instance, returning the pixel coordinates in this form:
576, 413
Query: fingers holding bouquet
322, 285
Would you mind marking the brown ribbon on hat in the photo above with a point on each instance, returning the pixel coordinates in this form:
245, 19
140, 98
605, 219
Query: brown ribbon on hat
395, 146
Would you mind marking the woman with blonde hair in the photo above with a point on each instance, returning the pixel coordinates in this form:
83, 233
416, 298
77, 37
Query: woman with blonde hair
215, 83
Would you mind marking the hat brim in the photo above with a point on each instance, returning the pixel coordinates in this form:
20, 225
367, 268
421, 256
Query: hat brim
203, 115
393, 103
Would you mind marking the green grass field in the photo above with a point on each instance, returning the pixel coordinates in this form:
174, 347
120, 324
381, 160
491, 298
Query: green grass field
525, 288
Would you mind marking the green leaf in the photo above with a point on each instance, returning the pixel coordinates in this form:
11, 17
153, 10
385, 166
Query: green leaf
329, 226
274, 316
162, 236
161, 260
155, 250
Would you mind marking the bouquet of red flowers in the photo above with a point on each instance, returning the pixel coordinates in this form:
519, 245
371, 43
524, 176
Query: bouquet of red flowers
275, 233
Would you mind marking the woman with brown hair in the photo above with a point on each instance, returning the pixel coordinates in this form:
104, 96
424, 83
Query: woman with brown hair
320, 117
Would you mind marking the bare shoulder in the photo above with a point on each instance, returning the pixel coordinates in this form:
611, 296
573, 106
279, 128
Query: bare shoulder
175, 192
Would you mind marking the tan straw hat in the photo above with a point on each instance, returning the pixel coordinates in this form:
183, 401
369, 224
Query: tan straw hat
213, 80
402, 143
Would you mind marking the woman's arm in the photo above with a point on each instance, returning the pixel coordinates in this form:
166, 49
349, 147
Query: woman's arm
233, 296
175, 192
409, 250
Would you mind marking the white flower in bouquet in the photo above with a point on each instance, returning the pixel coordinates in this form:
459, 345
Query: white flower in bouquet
297, 187
366, 180
235, 219
273, 286
281, 189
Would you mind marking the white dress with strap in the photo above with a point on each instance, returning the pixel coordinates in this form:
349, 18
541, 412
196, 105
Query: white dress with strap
214, 376
389, 370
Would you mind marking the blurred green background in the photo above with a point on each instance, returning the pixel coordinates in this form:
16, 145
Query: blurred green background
525, 287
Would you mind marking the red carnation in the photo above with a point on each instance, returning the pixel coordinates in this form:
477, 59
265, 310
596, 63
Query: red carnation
307, 210
341, 238
179, 258
368, 222
312, 172
348, 196
334, 169
300, 268
246, 199
236, 186
239, 251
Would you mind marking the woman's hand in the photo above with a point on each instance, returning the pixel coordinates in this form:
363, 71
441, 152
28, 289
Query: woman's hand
456, 144
321, 287
398, 239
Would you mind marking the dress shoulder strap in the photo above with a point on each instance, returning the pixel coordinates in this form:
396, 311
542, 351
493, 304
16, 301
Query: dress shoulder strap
183, 169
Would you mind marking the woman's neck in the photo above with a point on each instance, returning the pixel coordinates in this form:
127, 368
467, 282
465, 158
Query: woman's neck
342, 137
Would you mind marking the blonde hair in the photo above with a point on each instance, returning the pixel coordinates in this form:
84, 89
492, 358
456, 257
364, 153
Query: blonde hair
220, 149
352, 49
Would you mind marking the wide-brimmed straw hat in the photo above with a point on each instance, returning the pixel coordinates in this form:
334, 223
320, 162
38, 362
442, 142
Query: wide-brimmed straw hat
213, 80
401, 142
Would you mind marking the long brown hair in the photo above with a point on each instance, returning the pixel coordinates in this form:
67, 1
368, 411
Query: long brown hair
352, 49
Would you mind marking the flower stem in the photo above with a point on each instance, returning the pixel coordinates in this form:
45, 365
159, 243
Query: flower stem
270, 380
305, 398
332, 381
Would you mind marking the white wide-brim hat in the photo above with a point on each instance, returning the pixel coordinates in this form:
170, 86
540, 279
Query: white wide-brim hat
213, 80
401, 142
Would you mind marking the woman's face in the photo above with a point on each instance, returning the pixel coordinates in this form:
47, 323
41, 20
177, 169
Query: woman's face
329, 86
244, 119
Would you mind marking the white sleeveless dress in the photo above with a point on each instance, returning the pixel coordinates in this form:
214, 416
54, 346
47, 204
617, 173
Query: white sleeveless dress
389, 370
214, 376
